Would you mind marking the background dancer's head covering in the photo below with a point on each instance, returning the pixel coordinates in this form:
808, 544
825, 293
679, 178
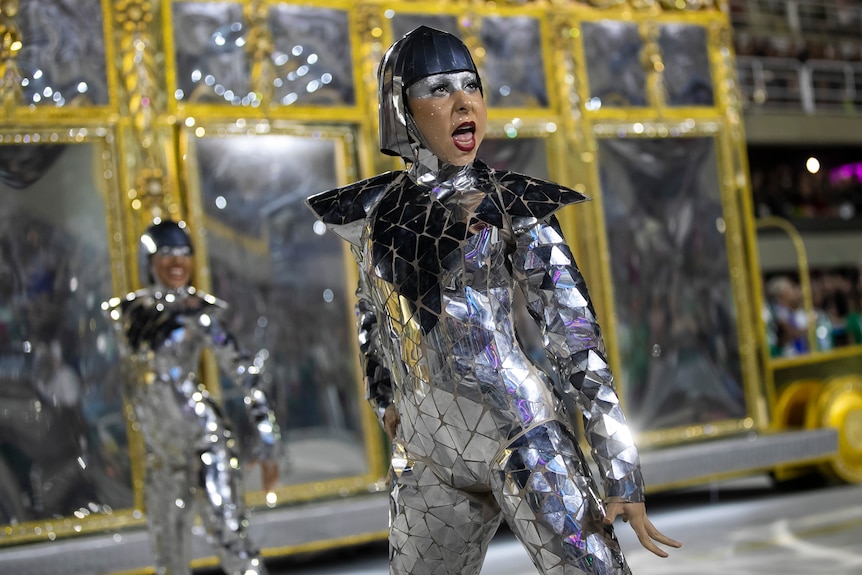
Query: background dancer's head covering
160, 235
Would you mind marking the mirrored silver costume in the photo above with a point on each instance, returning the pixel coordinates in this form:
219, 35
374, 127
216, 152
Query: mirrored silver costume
484, 433
192, 460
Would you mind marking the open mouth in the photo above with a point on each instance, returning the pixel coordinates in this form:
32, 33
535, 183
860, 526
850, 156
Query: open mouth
177, 273
464, 136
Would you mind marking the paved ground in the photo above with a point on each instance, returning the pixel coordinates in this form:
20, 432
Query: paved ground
741, 528
747, 527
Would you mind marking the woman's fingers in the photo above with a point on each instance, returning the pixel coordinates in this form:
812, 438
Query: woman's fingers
639, 525
661, 537
635, 515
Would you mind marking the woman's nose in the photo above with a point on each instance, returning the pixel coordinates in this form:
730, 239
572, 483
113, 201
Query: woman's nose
463, 101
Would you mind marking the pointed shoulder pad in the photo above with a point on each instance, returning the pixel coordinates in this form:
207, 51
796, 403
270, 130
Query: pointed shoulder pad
529, 197
340, 207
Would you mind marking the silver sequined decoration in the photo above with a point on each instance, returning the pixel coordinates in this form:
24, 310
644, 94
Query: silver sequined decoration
192, 463
485, 434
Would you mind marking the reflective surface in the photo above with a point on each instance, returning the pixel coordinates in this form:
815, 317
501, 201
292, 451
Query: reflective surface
62, 59
312, 56
63, 444
614, 70
522, 155
512, 70
311, 60
403, 23
687, 78
285, 279
209, 40
676, 325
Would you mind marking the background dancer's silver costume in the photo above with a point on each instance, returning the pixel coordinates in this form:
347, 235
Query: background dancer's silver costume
192, 463
484, 433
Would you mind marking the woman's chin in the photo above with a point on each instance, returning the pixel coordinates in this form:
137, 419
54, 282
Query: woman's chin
462, 158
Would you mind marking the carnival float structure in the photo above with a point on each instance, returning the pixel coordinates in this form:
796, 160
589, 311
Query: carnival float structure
227, 115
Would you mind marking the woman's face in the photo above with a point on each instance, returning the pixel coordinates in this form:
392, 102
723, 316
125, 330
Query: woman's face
172, 266
450, 112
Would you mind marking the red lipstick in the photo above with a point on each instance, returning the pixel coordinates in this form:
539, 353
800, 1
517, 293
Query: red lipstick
464, 137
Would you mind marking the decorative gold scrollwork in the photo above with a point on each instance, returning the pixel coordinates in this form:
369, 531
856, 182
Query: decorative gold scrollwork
564, 33
145, 99
134, 15
11, 43
259, 47
370, 28
653, 65
470, 25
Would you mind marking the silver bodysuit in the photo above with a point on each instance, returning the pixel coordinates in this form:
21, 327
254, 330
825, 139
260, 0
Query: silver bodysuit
485, 434
192, 461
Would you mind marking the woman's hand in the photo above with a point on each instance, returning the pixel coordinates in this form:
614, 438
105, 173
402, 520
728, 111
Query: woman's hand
391, 419
269, 473
635, 515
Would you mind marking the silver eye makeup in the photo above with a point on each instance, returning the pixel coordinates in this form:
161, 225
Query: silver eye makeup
443, 84
176, 251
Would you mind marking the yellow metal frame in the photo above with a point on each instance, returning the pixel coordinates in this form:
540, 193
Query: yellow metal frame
802, 261
829, 399
734, 238
780, 394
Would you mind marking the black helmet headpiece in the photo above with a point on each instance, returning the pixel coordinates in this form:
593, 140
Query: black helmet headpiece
163, 234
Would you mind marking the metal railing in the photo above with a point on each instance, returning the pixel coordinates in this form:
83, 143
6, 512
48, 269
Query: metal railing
810, 87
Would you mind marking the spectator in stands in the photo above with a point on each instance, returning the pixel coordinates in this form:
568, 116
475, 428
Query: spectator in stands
785, 304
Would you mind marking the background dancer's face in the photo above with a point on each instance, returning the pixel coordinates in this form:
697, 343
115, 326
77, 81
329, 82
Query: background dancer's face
450, 112
172, 266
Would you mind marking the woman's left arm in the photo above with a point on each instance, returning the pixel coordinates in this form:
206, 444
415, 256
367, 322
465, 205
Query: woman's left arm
246, 372
558, 300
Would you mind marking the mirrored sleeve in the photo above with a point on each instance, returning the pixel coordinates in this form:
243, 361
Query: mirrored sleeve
246, 372
378, 383
558, 301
